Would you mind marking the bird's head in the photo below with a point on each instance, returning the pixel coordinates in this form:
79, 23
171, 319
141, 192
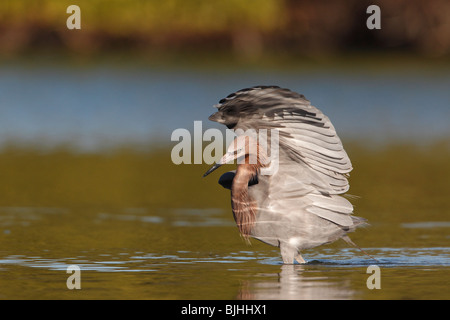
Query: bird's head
244, 149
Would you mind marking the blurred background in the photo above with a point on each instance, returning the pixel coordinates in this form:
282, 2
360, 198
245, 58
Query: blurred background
86, 115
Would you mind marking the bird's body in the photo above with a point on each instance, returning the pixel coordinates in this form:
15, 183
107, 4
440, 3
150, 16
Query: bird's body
298, 206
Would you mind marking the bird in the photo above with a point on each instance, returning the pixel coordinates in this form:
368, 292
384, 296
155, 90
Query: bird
301, 205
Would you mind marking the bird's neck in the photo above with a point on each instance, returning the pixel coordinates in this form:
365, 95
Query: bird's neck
244, 173
244, 207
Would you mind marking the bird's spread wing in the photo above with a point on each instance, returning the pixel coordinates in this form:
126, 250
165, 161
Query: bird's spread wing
313, 162
306, 135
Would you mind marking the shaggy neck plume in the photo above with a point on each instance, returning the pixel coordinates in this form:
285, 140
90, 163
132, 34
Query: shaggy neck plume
244, 207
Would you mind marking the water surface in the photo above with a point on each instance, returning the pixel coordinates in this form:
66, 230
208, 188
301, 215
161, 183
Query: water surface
138, 253
140, 227
86, 105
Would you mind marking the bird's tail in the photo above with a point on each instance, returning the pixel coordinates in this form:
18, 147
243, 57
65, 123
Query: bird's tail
350, 242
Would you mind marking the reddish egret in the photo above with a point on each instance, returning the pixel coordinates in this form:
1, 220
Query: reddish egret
299, 206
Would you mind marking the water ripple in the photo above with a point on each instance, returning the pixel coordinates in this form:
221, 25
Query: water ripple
139, 262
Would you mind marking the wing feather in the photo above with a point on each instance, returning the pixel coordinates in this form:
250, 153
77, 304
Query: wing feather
315, 165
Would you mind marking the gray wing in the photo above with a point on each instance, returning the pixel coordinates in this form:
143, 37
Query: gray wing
313, 164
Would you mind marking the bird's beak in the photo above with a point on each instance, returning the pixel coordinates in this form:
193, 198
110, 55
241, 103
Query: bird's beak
214, 167
227, 157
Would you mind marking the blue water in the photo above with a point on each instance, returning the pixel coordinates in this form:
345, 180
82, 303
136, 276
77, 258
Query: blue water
103, 105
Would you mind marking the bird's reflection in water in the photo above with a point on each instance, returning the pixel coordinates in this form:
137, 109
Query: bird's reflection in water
294, 282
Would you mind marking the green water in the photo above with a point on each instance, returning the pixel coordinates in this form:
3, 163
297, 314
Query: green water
189, 254
176, 238
140, 227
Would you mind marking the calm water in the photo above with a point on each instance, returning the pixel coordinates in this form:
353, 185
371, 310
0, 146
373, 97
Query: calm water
85, 106
197, 254
171, 251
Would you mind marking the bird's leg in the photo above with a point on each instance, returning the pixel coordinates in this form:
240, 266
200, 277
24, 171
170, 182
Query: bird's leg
300, 259
287, 253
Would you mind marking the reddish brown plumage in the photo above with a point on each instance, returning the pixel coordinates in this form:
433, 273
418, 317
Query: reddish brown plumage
243, 206
254, 158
